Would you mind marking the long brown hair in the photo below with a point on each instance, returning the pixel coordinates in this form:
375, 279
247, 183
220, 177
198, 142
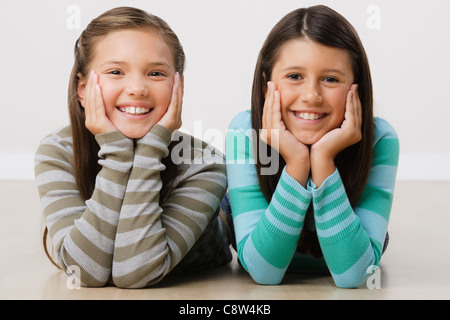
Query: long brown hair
85, 147
325, 26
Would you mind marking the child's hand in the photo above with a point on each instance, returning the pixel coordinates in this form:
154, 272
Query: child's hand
172, 118
348, 134
94, 109
326, 149
275, 134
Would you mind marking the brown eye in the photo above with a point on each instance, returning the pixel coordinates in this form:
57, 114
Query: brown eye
156, 74
115, 72
294, 76
330, 79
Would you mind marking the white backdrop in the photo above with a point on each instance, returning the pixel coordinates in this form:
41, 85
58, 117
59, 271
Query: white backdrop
407, 42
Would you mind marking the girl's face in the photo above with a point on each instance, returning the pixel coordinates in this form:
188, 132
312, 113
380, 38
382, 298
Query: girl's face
136, 71
313, 81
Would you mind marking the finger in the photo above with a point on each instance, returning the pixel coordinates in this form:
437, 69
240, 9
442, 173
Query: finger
267, 111
358, 104
99, 101
354, 103
96, 97
265, 121
355, 116
349, 104
180, 96
264, 110
88, 103
277, 118
357, 110
277, 122
267, 114
174, 100
274, 97
87, 92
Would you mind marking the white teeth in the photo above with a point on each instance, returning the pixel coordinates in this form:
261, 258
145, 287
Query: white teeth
134, 110
308, 115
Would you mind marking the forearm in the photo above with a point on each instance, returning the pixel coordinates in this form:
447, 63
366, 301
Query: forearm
344, 242
266, 233
322, 166
140, 236
352, 238
83, 233
271, 244
156, 230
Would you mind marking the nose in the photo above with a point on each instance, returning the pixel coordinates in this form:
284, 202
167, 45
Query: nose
311, 93
137, 87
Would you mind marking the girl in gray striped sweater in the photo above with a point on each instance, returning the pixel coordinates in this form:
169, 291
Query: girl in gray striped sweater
125, 200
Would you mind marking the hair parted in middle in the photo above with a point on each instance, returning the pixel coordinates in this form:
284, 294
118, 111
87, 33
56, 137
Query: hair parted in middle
122, 18
85, 147
323, 25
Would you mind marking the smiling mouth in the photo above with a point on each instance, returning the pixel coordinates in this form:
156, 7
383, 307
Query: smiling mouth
309, 115
134, 110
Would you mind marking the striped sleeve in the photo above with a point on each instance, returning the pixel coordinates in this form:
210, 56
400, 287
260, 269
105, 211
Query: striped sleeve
153, 234
82, 233
266, 233
352, 238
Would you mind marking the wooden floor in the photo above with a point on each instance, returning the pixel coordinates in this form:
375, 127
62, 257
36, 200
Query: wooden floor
415, 266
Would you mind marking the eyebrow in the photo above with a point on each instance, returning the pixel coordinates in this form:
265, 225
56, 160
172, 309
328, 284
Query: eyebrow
324, 70
151, 64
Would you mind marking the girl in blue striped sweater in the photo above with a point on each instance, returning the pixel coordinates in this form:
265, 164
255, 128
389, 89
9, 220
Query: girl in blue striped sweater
327, 205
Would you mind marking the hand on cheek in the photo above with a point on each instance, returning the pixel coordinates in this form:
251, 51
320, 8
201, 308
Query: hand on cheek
328, 147
94, 109
276, 134
172, 118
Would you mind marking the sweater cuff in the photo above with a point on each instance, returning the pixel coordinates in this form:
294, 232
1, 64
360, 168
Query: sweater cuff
108, 137
295, 191
311, 186
116, 146
155, 143
161, 132
333, 213
287, 209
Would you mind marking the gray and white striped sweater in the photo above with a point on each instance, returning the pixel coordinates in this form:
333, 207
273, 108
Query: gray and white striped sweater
141, 220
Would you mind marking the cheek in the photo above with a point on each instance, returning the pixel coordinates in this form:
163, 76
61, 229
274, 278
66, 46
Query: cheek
288, 96
338, 101
162, 93
109, 94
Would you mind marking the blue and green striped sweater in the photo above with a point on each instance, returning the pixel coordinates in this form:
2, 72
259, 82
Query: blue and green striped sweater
267, 234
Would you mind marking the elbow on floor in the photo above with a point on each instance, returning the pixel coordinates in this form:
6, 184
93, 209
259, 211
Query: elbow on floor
265, 280
122, 283
349, 282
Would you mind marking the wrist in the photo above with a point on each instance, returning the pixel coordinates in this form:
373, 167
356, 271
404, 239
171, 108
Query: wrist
321, 168
323, 154
299, 171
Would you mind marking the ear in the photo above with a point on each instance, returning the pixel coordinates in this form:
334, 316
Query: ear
81, 87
